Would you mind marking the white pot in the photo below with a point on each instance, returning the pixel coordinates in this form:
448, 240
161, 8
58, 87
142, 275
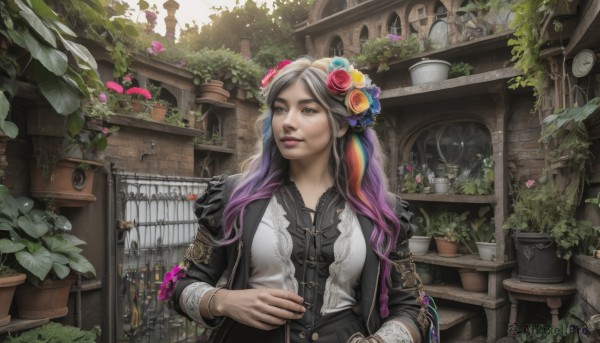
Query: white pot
440, 185
487, 251
419, 245
429, 71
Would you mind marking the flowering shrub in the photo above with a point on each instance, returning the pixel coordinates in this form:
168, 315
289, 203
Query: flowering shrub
413, 180
155, 48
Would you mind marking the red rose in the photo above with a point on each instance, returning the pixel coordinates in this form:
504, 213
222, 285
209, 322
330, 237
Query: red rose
269, 77
339, 81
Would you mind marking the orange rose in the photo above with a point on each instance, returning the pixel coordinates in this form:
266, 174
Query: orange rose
357, 101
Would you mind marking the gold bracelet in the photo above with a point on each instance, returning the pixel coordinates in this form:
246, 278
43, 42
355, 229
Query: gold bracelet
212, 317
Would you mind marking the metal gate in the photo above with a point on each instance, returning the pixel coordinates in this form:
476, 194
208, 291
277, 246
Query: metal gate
157, 223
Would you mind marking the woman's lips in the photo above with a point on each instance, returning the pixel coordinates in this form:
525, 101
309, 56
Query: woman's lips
290, 142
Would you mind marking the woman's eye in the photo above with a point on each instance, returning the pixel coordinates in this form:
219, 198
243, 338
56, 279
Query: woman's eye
278, 109
309, 110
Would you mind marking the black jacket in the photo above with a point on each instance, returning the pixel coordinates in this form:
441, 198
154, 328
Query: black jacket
232, 263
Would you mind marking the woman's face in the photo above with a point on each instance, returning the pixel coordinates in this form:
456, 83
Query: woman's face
301, 127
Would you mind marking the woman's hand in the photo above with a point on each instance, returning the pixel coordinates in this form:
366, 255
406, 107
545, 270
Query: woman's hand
264, 309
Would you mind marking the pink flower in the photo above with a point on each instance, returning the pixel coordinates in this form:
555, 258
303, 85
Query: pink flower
102, 98
339, 82
168, 285
155, 48
409, 168
272, 72
192, 197
418, 178
143, 92
105, 130
529, 183
115, 87
127, 78
394, 38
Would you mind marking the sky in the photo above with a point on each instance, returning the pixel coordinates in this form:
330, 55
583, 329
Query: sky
189, 10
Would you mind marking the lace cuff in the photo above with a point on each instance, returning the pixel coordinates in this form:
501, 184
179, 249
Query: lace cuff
393, 331
190, 300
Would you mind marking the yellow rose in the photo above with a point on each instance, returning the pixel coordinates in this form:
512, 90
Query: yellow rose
358, 78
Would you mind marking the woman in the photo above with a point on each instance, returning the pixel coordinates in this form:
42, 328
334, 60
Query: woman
307, 244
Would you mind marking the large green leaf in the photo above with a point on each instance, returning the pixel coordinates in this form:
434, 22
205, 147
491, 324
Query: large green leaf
4, 106
41, 9
57, 245
9, 128
53, 60
33, 229
59, 258
81, 52
82, 265
60, 270
7, 224
25, 204
63, 97
36, 23
62, 223
75, 123
8, 247
10, 208
73, 239
65, 30
37, 263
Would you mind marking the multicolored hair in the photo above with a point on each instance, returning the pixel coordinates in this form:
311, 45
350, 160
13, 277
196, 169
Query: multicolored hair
356, 164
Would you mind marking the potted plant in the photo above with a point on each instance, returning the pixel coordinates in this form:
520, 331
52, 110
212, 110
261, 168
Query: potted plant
39, 244
428, 70
56, 332
159, 107
419, 243
483, 234
230, 71
9, 280
382, 51
459, 69
449, 230
545, 230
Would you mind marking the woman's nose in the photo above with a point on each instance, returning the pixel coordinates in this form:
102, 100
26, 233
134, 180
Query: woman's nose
289, 121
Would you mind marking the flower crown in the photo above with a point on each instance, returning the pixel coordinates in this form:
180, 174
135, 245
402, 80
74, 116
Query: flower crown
347, 85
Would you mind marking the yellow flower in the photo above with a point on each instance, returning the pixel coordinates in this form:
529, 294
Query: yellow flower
358, 78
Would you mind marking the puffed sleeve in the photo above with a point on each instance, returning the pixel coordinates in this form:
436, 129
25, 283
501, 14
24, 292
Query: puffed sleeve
406, 288
204, 261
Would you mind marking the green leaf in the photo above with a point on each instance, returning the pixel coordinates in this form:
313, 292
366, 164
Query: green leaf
81, 52
61, 222
57, 245
75, 123
33, 229
53, 60
38, 263
63, 97
9, 129
8, 247
41, 9
73, 239
36, 23
143, 5
64, 29
82, 265
59, 258
25, 204
60, 270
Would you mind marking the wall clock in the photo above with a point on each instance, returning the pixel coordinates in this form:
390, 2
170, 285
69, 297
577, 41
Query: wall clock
583, 62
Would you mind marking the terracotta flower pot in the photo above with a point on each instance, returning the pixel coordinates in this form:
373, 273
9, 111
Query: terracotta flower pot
446, 248
8, 284
158, 112
46, 300
137, 106
472, 280
213, 91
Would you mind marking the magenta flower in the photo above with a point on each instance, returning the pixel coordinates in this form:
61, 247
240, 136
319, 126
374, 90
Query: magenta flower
102, 98
529, 183
127, 78
115, 87
168, 285
409, 168
394, 38
105, 130
139, 92
155, 48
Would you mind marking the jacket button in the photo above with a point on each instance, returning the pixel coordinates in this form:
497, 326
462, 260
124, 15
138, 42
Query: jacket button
314, 336
302, 334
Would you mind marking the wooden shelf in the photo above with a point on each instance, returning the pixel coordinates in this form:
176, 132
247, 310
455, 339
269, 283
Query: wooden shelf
450, 317
459, 87
18, 324
455, 198
131, 121
214, 148
464, 261
588, 262
214, 103
457, 293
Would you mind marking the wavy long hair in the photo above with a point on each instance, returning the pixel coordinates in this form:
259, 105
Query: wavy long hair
356, 164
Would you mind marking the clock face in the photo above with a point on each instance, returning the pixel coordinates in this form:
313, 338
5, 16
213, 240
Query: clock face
583, 62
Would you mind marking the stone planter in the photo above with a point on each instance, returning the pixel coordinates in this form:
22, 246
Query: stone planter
429, 71
536, 258
419, 245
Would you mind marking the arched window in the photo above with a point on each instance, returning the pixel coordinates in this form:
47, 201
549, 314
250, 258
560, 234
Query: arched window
334, 6
364, 35
394, 25
336, 48
440, 11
